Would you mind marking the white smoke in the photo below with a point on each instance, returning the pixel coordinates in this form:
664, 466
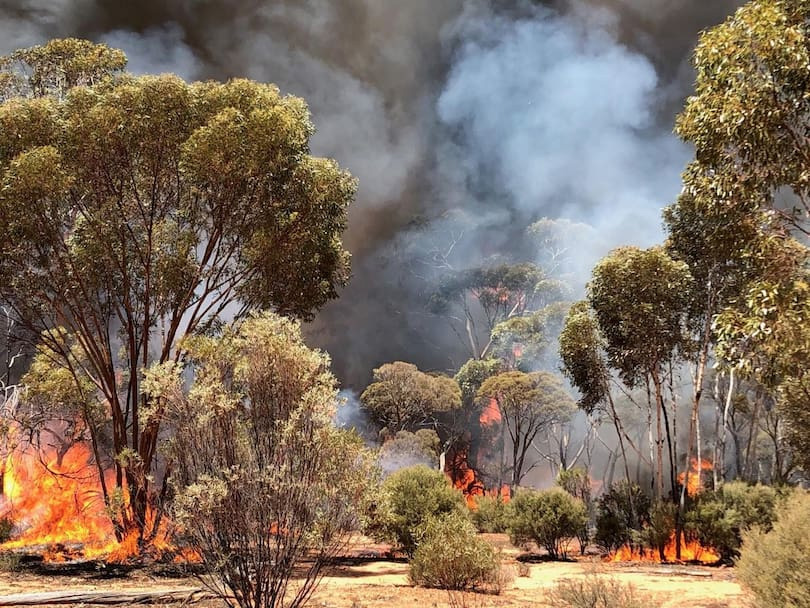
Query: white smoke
561, 115
158, 50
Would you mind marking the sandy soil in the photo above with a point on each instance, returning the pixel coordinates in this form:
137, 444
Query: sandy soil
378, 583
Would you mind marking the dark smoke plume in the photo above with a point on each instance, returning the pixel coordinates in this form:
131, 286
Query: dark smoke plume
459, 117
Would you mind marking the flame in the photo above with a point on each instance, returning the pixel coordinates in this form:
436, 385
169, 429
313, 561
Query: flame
491, 414
465, 479
55, 502
694, 485
691, 551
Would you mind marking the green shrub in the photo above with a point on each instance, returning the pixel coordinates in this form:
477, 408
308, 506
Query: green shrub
452, 556
773, 565
621, 515
6, 528
550, 519
718, 519
10, 562
594, 591
489, 514
409, 498
576, 482
658, 531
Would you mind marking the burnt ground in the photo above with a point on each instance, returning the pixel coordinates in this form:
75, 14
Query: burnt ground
366, 579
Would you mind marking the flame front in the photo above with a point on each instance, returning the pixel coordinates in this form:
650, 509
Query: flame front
55, 499
691, 551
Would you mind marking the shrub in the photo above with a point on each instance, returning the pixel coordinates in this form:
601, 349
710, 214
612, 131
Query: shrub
550, 519
594, 591
409, 498
659, 530
452, 556
489, 514
773, 565
718, 519
408, 449
621, 514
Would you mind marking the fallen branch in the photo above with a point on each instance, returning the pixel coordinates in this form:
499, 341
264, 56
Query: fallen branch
109, 598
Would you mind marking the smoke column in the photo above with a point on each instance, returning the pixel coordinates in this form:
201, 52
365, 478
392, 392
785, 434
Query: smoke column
458, 117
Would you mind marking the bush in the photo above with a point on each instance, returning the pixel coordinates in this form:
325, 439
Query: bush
550, 519
773, 565
489, 514
409, 498
658, 532
594, 591
621, 514
408, 449
452, 556
718, 519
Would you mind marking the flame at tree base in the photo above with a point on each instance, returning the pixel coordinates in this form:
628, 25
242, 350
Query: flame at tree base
691, 551
56, 506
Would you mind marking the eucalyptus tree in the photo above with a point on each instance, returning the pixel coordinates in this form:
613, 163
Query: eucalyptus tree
528, 403
639, 299
139, 211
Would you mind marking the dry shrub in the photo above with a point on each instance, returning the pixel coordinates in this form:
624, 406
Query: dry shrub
773, 565
453, 556
598, 591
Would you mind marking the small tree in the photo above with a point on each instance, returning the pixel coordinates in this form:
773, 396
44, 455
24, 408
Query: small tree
402, 397
262, 478
621, 514
550, 519
409, 499
528, 403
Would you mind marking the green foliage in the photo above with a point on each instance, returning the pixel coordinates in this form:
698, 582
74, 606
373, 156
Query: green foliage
10, 562
658, 531
525, 339
576, 482
490, 514
773, 565
596, 591
473, 374
622, 512
639, 298
581, 353
262, 479
550, 518
56, 67
409, 499
402, 396
452, 556
718, 519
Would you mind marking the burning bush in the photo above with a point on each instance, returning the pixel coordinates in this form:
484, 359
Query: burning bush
452, 556
490, 514
621, 514
657, 534
550, 518
263, 480
718, 519
409, 499
774, 564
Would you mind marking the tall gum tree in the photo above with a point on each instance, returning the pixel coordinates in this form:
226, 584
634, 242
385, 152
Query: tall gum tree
138, 211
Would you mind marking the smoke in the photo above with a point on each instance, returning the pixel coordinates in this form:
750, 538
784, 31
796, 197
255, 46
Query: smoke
464, 120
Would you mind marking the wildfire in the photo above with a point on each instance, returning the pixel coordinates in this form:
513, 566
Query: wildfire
55, 503
491, 414
694, 485
691, 551
464, 478
55, 500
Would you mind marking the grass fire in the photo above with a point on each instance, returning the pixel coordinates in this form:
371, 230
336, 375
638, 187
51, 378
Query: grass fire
525, 321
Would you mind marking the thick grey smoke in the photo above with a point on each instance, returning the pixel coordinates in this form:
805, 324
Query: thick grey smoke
460, 117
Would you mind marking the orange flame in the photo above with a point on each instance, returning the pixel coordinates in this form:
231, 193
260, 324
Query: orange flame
694, 485
491, 414
691, 551
465, 479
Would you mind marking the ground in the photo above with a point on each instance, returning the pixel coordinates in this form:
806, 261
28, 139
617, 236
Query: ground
377, 583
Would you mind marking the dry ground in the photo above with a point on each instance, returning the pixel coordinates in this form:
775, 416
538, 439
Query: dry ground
379, 583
